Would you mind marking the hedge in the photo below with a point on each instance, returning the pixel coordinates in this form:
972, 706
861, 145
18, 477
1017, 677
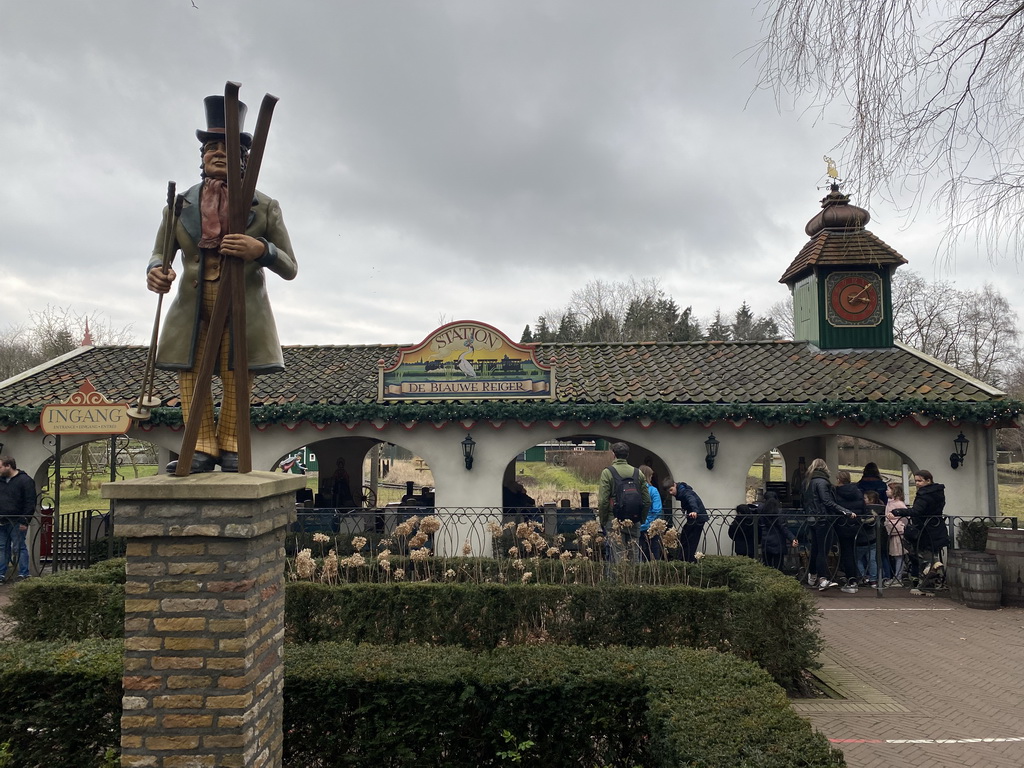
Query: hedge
772, 627
762, 616
71, 605
738, 573
380, 706
61, 702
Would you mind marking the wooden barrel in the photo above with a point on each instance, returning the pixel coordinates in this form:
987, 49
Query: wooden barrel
1008, 547
980, 581
953, 558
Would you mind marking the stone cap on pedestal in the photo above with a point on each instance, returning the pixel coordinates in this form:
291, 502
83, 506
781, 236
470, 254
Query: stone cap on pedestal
214, 504
205, 485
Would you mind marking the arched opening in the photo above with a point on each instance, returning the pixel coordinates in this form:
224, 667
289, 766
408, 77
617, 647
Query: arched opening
782, 468
354, 473
553, 486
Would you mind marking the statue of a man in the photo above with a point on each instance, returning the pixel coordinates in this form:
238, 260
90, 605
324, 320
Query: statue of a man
201, 236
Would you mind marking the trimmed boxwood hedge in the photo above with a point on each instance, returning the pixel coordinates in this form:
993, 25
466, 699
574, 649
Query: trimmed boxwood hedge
398, 706
381, 706
760, 616
732, 604
771, 626
61, 703
71, 605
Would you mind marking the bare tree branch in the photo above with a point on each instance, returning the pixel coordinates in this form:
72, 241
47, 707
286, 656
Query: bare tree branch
934, 98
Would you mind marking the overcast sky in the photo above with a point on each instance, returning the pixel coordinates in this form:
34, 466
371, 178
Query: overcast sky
435, 161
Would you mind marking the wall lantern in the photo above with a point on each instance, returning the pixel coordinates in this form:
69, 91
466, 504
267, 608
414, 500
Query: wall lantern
959, 451
711, 446
468, 445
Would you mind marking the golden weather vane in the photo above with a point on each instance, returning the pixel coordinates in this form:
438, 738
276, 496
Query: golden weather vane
831, 171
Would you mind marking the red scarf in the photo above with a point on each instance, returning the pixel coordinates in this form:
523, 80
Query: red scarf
213, 208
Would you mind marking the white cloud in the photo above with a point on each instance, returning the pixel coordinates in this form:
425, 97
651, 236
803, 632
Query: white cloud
469, 159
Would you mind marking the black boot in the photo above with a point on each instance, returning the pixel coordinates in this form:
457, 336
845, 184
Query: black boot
201, 462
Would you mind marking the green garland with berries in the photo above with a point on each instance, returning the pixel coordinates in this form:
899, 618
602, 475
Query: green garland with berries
990, 413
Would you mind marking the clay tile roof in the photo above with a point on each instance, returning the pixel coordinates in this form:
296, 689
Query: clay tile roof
841, 248
766, 372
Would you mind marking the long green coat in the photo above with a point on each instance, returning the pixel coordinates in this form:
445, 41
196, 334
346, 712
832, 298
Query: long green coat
176, 349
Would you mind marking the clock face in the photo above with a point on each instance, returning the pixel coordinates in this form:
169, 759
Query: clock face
854, 298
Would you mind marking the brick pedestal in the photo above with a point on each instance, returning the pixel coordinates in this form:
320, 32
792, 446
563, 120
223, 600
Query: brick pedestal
204, 618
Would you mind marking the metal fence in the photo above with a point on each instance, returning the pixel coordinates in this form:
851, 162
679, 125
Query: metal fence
367, 537
364, 539
69, 541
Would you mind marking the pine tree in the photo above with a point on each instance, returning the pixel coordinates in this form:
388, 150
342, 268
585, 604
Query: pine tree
541, 333
685, 328
569, 330
718, 329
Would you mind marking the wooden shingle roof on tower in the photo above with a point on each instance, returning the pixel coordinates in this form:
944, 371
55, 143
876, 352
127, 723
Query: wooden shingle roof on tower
839, 238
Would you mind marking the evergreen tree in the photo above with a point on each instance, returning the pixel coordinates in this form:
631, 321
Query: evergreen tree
541, 333
527, 337
640, 322
718, 329
749, 327
569, 330
686, 328
743, 324
604, 328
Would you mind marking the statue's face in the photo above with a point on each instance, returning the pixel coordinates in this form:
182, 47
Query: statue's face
215, 160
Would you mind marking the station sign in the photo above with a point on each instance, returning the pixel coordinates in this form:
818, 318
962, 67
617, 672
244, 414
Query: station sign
466, 360
86, 412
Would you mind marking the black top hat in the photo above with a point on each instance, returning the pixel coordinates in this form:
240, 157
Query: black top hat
215, 121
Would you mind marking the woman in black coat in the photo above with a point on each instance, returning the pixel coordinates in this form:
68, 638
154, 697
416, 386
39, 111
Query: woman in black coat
820, 504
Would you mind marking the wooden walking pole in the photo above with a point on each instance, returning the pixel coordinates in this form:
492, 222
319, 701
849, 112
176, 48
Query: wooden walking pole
148, 400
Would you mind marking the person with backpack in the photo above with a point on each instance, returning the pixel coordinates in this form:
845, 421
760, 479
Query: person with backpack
695, 518
776, 537
623, 502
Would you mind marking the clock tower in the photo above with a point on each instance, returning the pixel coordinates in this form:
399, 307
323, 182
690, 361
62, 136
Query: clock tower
840, 280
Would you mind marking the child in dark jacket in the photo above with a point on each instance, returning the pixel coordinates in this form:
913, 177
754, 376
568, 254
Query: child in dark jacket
849, 496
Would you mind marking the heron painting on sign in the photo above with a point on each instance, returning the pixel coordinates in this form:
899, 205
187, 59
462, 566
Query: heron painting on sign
466, 359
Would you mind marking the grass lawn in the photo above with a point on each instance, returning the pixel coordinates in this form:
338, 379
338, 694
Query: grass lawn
71, 499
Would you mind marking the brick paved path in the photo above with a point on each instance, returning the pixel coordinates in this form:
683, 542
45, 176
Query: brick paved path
926, 682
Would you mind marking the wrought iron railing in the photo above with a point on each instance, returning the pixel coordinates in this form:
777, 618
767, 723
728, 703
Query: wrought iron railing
69, 541
360, 544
